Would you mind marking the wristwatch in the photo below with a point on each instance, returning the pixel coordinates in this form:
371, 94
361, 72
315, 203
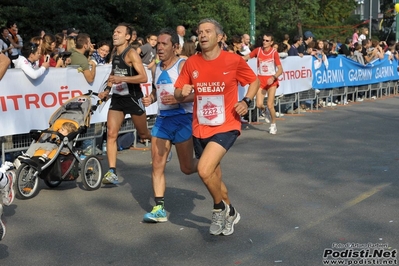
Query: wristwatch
247, 100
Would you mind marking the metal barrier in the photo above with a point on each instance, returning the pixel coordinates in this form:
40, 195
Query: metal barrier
364, 88
251, 107
341, 91
324, 94
351, 90
287, 99
376, 87
309, 95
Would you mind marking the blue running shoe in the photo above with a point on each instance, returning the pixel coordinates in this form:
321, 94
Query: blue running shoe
157, 215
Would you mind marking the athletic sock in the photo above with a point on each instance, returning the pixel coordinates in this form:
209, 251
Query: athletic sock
160, 201
219, 206
112, 169
232, 210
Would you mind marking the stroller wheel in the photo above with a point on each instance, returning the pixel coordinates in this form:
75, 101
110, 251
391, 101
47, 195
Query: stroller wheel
52, 184
27, 182
91, 173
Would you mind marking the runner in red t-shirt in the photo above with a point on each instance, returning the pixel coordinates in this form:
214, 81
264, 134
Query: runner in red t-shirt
213, 75
269, 69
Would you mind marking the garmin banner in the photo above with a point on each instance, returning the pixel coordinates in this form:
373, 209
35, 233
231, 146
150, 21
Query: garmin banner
341, 71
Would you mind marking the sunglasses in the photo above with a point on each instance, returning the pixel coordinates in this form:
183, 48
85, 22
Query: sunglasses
267, 40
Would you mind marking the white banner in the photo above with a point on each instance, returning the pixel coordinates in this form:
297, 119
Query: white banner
27, 104
296, 77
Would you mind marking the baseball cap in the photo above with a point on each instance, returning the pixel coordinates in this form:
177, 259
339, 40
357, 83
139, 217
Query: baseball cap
72, 30
308, 34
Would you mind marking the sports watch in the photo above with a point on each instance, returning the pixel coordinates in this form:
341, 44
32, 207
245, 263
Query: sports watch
247, 100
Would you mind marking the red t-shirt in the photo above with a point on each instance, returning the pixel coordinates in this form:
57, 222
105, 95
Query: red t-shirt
216, 91
267, 61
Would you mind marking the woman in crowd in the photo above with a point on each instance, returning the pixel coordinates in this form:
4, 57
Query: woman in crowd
188, 49
100, 55
31, 53
48, 52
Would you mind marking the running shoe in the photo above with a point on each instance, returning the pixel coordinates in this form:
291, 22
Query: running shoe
2, 226
230, 222
157, 215
273, 129
8, 193
218, 221
110, 178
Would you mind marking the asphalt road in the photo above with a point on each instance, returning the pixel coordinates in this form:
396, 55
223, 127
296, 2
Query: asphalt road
327, 177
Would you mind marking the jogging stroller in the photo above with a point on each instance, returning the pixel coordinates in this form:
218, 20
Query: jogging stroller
63, 161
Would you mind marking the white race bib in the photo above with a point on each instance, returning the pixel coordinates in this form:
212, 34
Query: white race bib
267, 68
162, 91
120, 88
210, 110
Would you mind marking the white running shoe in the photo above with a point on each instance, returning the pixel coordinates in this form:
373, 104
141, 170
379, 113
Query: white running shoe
273, 129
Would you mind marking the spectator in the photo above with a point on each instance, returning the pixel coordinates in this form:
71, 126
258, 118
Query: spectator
60, 43
286, 40
377, 52
355, 37
223, 42
332, 49
213, 136
134, 36
7, 44
181, 32
188, 49
282, 50
136, 44
391, 52
4, 63
148, 52
83, 45
72, 32
100, 55
297, 42
28, 61
140, 40
15, 37
37, 40
357, 55
345, 48
246, 44
308, 38
321, 49
236, 41
70, 43
48, 51
363, 35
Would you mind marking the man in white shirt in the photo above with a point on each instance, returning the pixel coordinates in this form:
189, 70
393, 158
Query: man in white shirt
181, 31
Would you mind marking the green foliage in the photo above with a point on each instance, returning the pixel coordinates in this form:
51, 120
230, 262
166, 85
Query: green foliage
325, 18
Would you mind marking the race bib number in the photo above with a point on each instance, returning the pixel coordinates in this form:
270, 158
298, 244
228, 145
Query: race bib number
267, 68
163, 91
210, 110
120, 89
